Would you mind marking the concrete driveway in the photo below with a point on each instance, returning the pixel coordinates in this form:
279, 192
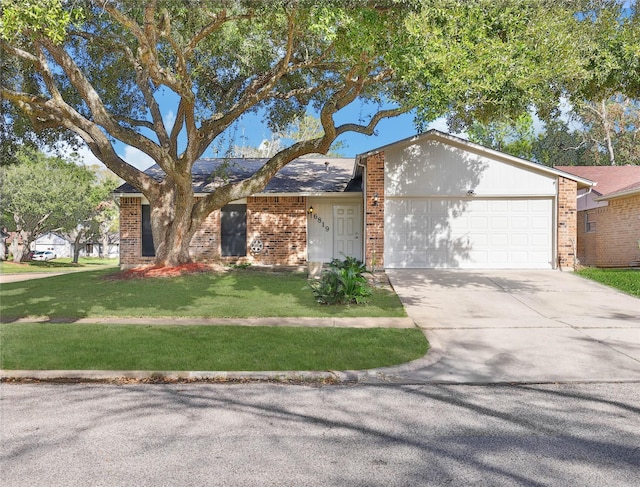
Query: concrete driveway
520, 326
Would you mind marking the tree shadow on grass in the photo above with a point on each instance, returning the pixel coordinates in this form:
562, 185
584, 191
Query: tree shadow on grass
232, 294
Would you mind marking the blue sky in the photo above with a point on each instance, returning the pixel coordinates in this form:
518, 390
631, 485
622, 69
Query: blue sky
249, 131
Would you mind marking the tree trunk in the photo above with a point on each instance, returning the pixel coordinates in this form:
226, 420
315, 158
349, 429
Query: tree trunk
173, 227
104, 248
607, 133
20, 245
76, 249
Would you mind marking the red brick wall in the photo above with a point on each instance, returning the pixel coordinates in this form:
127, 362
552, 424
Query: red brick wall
614, 243
567, 223
374, 215
131, 233
205, 244
279, 222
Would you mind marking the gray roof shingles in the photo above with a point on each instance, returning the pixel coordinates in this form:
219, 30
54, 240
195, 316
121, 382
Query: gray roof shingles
304, 175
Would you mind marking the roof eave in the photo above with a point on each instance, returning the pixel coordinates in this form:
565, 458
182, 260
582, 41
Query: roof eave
621, 194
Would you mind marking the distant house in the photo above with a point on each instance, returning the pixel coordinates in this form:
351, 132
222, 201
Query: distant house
429, 201
63, 248
608, 216
53, 242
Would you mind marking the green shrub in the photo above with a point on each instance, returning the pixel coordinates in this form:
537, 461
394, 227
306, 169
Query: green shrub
343, 283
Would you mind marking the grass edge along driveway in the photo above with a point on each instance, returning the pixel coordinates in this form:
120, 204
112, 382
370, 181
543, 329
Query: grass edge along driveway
625, 280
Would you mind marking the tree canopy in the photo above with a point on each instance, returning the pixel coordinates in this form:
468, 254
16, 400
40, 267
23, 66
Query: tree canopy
42, 194
100, 69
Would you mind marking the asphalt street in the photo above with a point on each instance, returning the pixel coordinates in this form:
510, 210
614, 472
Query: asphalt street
359, 435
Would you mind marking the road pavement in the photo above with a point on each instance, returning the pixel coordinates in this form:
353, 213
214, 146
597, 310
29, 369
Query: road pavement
283, 435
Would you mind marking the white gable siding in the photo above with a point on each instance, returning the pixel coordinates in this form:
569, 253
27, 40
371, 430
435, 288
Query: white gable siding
432, 168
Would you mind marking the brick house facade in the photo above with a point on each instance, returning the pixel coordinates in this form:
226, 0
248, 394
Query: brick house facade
609, 236
307, 210
278, 222
608, 216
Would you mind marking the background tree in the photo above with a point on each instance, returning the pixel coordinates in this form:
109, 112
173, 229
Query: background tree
41, 194
606, 132
556, 145
610, 130
100, 69
89, 214
513, 137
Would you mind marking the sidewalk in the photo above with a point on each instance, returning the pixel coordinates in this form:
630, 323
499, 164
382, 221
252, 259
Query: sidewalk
304, 322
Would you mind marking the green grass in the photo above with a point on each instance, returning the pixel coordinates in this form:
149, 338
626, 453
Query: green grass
56, 265
206, 348
234, 294
626, 280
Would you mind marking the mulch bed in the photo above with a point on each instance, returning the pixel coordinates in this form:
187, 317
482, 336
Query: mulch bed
161, 271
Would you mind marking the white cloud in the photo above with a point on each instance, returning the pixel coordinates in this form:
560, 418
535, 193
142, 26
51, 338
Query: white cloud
169, 119
83, 154
137, 158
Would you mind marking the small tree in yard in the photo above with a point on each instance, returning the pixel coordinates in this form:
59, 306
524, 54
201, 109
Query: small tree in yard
41, 194
91, 214
102, 68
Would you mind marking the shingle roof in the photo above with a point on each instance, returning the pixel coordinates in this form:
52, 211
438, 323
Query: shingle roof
610, 179
304, 175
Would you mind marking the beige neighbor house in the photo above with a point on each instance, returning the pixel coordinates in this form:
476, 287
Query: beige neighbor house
608, 216
429, 201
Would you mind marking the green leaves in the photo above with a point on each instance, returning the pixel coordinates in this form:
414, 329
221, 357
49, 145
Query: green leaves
37, 18
343, 283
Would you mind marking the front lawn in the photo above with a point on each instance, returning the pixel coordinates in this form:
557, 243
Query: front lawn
232, 294
205, 348
62, 264
626, 280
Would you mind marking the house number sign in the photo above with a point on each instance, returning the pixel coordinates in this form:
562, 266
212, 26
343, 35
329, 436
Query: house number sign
320, 222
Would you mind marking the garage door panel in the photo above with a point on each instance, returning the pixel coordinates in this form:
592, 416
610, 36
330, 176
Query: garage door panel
468, 233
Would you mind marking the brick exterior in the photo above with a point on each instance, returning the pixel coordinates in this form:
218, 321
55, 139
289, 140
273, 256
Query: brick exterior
615, 240
567, 223
280, 223
374, 213
131, 233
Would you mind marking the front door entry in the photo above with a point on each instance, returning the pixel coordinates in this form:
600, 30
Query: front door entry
347, 223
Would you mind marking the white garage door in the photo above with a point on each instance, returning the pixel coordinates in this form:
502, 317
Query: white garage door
468, 233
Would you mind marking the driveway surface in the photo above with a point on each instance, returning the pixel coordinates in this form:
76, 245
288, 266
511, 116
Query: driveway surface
520, 326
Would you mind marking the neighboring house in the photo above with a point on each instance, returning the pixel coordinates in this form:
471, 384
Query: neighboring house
53, 242
429, 201
63, 248
609, 216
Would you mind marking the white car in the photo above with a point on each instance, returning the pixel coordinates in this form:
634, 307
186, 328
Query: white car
43, 255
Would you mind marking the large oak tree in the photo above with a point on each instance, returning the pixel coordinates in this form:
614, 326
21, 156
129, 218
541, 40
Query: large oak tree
100, 69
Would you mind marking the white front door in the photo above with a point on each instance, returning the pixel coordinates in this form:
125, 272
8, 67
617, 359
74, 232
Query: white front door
347, 223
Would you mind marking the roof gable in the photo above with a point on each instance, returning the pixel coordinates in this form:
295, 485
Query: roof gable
479, 149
